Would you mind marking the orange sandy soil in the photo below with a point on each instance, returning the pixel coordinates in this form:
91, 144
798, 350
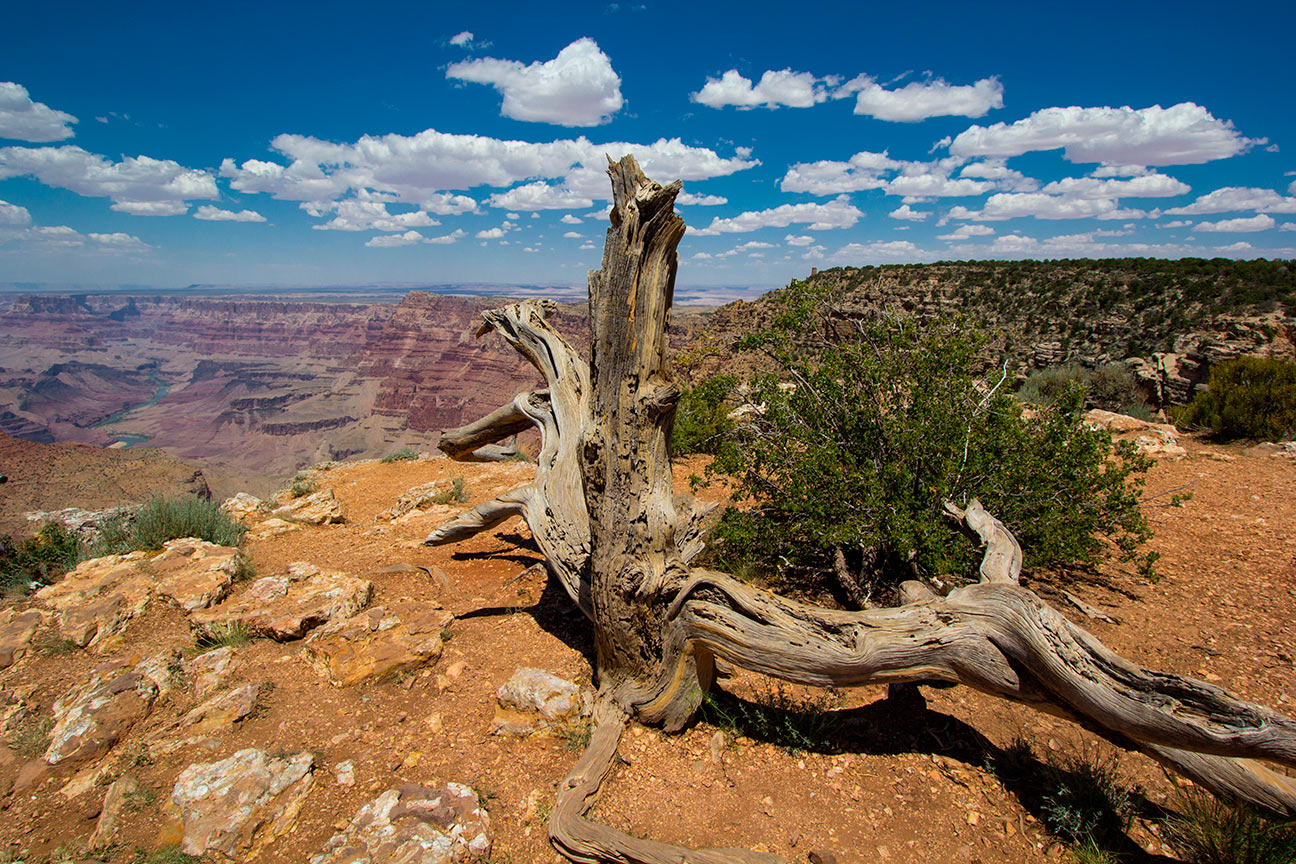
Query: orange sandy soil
895, 782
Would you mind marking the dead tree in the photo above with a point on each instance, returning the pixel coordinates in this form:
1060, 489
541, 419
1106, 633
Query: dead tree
619, 540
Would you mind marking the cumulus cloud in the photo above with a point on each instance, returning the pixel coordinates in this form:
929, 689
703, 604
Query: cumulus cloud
1288, 226
25, 120
390, 241
798, 240
775, 88
922, 99
355, 214
138, 185
14, 216
1183, 134
1177, 223
491, 233
572, 235
907, 213
569, 219
576, 88
1259, 222
216, 214
462, 39
18, 232
1234, 198
966, 232
119, 242
838, 213
1150, 185
539, 196
1014, 205
915, 180
878, 252
688, 198
446, 239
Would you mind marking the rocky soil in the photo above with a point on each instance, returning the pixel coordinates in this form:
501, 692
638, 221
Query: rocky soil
362, 697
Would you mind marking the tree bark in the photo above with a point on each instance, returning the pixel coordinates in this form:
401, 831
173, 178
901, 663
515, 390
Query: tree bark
603, 510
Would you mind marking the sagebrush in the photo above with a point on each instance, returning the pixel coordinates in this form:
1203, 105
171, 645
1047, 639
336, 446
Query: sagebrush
162, 519
1248, 397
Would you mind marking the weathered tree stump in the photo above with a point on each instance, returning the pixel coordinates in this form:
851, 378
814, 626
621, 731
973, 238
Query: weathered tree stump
618, 539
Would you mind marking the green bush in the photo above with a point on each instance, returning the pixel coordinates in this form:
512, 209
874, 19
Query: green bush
456, 494
1110, 387
1249, 397
302, 484
1207, 831
160, 520
401, 455
702, 416
868, 427
42, 558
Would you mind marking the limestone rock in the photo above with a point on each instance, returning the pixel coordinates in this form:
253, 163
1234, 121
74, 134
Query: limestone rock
89, 720
105, 833
414, 824
238, 805
318, 508
377, 642
1159, 440
344, 772
283, 608
193, 574
85, 524
210, 670
221, 712
245, 509
17, 629
416, 498
271, 527
535, 700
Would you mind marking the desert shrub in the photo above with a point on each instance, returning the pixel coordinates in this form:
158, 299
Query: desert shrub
1208, 831
231, 635
702, 416
162, 519
302, 484
1248, 397
867, 427
797, 724
456, 494
402, 455
1110, 387
40, 559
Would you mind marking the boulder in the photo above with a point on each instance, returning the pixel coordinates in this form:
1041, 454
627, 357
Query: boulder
271, 527
535, 701
1160, 440
245, 509
318, 508
288, 607
378, 642
115, 800
92, 718
414, 824
210, 670
238, 805
221, 712
193, 574
17, 629
416, 498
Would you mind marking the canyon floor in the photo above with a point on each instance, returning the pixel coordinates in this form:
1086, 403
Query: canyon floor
887, 780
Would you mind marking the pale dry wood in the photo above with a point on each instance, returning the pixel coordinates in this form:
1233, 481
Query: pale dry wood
621, 543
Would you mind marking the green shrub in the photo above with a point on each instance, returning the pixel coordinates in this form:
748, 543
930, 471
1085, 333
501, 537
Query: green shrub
302, 484
401, 455
1110, 387
224, 635
161, 519
43, 558
868, 427
1207, 831
456, 494
1248, 397
796, 724
702, 417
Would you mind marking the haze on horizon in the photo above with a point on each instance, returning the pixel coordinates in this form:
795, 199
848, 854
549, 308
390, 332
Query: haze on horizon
306, 145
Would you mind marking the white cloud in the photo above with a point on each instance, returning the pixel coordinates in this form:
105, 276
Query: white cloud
1151, 185
1233, 198
446, 239
569, 219
1119, 171
1013, 243
216, 214
355, 214
25, 120
1240, 246
916, 181
572, 235
920, 100
490, 234
576, 88
838, 213
1287, 226
119, 242
512, 216
1177, 223
685, 199
785, 87
879, 252
1014, 205
18, 233
390, 241
14, 216
1183, 134
1259, 222
965, 232
138, 185
462, 39
904, 211
798, 240
539, 196
1291, 190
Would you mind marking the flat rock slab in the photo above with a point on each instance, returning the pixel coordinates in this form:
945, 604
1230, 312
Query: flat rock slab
238, 805
288, 607
1159, 440
378, 642
17, 629
535, 701
92, 718
115, 800
318, 508
101, 596
210, 670
414, 824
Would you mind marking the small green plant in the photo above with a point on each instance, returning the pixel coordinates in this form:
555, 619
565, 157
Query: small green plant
1249, 397
1110, 387
54, 646
401, 455
162, 519
302, 485
456, 494
29, 734
244, 569
224, 636
576, 734
40, 559
702, 416
141, 799
1208, 831
796, 724
165, 855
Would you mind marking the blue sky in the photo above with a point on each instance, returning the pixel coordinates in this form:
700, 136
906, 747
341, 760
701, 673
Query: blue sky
168, 144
